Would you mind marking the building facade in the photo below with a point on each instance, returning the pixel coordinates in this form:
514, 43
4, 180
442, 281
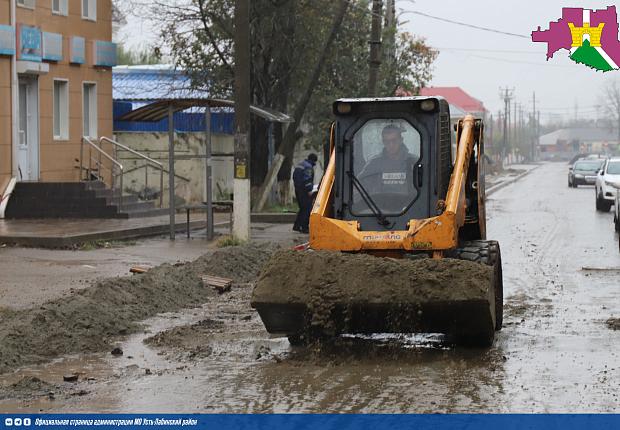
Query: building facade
55, 85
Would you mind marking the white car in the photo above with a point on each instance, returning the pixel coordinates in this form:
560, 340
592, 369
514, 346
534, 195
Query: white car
604, 189
617, 210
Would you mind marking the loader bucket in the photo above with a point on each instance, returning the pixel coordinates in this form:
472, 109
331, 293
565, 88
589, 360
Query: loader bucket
324, 294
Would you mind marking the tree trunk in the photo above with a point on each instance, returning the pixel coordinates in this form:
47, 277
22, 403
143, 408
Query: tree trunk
375, 47
288, 145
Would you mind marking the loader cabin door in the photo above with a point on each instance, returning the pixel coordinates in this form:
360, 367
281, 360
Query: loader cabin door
387, 172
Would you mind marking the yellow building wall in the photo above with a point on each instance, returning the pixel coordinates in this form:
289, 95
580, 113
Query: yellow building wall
5, 105
57, 157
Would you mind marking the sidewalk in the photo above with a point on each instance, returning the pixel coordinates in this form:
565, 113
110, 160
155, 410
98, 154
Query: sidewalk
59, 233
62, 233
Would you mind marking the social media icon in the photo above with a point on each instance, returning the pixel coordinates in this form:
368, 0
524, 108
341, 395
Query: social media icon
8, 422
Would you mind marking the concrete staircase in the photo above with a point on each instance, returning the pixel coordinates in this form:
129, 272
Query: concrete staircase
75, 200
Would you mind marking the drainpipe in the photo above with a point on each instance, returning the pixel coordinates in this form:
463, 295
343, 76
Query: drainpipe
14, 88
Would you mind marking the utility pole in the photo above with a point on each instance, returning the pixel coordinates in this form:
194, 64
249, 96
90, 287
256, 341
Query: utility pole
534, 128
537, 134
241, 186
490, 141
506, 94
391, 24
375, 47
514, 127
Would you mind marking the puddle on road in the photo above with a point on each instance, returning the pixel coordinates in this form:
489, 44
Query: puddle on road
246, 371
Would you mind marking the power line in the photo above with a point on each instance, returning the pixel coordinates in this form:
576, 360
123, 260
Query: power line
464, 24
504, 60
502, 51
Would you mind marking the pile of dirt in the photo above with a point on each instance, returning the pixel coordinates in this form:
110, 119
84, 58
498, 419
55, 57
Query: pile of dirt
343, 292
241, 263
613, 323
27, 387
187, 342
88, 320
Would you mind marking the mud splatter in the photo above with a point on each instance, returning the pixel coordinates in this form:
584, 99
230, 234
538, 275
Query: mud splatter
613, 323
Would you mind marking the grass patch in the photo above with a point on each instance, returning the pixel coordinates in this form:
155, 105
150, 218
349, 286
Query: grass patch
100, 244
227, 241
293, 207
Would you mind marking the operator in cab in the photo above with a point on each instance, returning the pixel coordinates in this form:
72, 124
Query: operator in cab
390, 171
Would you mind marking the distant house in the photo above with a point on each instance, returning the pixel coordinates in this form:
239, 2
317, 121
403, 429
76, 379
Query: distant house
564, 143
458, 98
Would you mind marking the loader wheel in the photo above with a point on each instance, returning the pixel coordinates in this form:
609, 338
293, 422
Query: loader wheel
487, 252
297, 340
306, 339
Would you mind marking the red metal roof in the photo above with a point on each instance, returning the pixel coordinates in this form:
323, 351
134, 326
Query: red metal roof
455, 96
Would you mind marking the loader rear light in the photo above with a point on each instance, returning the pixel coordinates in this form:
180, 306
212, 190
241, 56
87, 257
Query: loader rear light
428, 105
344, 108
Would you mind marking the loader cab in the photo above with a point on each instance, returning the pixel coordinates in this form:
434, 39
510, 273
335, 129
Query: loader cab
393, 160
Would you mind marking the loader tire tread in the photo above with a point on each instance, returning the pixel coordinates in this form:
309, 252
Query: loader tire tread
486, 252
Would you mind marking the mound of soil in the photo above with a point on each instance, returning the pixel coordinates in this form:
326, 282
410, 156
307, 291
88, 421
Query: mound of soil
366, 291
187, 342
27, 387
88, 320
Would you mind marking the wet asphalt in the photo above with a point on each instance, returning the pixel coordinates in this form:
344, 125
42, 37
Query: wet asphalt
555, 352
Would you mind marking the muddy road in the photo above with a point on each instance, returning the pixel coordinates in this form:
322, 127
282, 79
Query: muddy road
558, 350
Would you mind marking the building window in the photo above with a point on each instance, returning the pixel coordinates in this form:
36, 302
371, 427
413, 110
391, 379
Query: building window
60, 7
89, 9
61, 110
26, 3
90, 110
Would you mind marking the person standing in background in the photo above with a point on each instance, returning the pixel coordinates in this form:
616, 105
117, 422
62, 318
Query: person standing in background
303, 179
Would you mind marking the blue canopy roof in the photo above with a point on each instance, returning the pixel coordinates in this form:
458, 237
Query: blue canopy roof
150, 83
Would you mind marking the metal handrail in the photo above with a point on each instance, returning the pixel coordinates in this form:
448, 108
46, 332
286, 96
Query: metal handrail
101, 153
157, 164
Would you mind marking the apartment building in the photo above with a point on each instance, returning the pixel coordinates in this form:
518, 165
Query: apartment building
55, 85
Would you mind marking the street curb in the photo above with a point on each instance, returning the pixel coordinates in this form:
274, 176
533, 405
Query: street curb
510, 181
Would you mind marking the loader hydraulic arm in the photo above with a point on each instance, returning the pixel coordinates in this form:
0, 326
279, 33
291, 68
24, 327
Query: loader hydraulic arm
467, 135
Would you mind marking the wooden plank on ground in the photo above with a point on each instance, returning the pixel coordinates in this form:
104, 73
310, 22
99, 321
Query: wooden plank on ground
221, 285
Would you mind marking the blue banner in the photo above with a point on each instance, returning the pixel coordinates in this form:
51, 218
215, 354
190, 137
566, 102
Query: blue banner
312, 422
77, 46
7, 40
29, 43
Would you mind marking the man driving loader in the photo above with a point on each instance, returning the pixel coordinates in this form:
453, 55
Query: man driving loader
388, 171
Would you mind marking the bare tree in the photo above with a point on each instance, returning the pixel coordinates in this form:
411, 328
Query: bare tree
611, 103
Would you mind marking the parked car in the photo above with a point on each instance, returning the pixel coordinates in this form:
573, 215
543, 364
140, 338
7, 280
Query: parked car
587, 156
617, 209
583, 172
605, 192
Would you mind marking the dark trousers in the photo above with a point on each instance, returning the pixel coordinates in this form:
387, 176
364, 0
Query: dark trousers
305, 207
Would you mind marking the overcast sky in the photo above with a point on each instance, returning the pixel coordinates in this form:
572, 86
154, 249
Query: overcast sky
481, 62
559, 83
